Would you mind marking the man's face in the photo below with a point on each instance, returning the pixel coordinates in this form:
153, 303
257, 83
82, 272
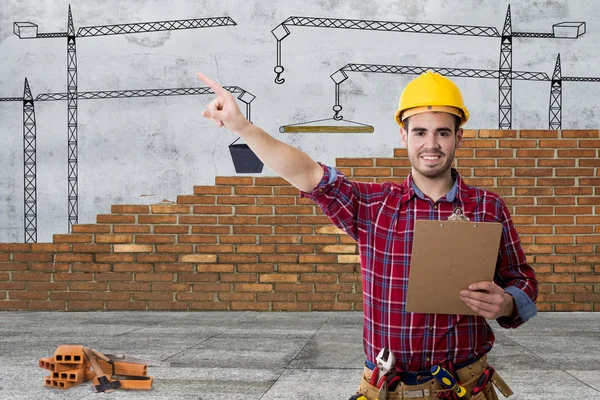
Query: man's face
431, 142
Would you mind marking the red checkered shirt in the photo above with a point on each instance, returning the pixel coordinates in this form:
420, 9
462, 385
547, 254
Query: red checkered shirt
381, 218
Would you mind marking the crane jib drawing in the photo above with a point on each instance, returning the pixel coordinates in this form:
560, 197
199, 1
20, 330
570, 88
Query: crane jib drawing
504, 74
28, 30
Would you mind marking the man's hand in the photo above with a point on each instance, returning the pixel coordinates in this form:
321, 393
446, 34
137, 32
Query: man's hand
488, 300
223, 110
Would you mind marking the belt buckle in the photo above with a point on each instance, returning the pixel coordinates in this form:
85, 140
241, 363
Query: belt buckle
414, 394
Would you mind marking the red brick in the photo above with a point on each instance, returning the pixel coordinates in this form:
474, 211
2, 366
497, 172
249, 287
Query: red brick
72, 238
237, 258
90, 228
213, 209
112, 258
194, 297
131, 229
212, 287
130, 286
524, 133
196, 199
234, 200
47, 286
50, 247
89, 286
29, 276
13, 305
234, 180
113, 277
132, 267
11, 247
20, 295
354, 162
216, 190
279, 219
29, 257
253, 210
70, 257
271, 181
556, 163
115, 219
579, 134
576, 153
161, 296
79, 267
286, 191
174, 248
170, 209
237, 220
91, 248
70, 296
155, 239
254, 191
240, 239
496, 133
158, 219
205, 239
252, 230
114, 238
129, 209
223, 296
110, 296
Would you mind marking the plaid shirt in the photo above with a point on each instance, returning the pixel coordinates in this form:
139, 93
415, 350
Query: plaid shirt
381, 218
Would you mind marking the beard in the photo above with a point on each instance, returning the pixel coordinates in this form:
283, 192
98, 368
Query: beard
435, 170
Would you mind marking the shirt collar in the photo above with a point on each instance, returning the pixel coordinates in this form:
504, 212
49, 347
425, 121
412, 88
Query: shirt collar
458, 192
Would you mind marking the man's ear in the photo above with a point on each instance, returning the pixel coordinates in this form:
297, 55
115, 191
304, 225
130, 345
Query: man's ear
404, 136
459, 138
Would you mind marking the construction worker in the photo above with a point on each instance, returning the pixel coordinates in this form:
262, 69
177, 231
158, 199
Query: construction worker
381, 217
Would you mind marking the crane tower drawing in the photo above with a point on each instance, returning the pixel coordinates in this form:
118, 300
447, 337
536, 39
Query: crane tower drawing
505, 75
28, 30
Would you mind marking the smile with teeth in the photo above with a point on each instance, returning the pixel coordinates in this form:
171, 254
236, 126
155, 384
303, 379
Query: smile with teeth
430, 158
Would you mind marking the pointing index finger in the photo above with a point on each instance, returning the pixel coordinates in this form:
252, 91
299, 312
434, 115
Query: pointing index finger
218, 89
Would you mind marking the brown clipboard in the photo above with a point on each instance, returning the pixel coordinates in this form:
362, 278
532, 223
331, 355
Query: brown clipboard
448, 256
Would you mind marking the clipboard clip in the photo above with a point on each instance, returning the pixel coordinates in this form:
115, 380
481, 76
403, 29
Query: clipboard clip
458, 215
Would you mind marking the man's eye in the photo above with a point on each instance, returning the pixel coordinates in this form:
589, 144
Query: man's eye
444, 133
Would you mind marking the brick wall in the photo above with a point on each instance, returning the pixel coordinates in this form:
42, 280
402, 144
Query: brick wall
250, 243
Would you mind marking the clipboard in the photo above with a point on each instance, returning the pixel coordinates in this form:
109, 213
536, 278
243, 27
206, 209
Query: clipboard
447, 256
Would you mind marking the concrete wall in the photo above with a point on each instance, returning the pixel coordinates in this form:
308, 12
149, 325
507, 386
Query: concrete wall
144, 150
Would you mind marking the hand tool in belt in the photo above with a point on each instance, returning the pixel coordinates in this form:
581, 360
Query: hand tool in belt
447, 381
385, 363
483, 379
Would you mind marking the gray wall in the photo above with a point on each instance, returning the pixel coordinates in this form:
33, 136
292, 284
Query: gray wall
145, 150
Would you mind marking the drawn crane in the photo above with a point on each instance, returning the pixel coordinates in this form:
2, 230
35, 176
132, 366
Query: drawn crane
555, 114
28, 30
29, 131
505, 76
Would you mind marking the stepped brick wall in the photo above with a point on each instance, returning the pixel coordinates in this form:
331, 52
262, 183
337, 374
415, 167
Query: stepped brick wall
250, 243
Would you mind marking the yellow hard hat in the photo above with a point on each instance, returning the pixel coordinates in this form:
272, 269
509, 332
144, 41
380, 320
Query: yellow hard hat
431, 92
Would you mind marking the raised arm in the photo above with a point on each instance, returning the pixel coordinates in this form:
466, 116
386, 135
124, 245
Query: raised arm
288, 162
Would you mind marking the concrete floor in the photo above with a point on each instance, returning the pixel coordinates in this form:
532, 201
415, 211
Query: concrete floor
274, 356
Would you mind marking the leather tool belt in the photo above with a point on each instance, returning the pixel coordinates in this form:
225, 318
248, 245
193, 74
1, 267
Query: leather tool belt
468, 377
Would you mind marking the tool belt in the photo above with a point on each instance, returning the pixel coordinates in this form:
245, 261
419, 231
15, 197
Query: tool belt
432, 389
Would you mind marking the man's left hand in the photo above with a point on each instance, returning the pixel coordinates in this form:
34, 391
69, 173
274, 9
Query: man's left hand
488, 300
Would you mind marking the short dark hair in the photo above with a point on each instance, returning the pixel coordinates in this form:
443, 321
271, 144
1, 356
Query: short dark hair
457, 121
